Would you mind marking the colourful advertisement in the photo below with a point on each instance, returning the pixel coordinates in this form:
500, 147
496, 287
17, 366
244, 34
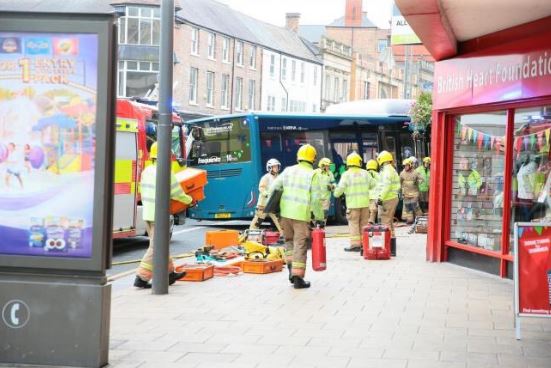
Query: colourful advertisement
533, 258
47, 143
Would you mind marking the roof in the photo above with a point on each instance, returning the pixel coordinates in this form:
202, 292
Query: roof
58, 6
443, 24
366, 22
312, 33
143, 2
223, 19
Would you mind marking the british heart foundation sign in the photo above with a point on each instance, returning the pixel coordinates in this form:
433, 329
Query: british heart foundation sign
533, 269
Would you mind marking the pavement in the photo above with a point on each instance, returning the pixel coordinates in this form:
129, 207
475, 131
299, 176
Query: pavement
402, 313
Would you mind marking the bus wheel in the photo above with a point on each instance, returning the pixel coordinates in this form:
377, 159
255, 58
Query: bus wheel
340, 211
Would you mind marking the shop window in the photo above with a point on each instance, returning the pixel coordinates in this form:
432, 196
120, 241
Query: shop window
531, 180
478, 180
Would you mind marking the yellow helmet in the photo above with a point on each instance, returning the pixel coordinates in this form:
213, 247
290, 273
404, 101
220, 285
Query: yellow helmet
372, 165
407, 161
354, 159
153, 151
324, 162
383, 157
426, 160
307, 153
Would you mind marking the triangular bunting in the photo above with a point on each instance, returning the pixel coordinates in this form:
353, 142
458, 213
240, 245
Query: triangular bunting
539, 229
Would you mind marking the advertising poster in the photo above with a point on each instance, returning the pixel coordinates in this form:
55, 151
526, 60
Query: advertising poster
47, 143
533, 258
401, 32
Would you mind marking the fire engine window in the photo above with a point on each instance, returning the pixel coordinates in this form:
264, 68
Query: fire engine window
478, 180
176, 142
531, 180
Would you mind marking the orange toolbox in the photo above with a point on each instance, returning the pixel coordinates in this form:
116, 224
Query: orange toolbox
193, 183
262, 266
196, 272
221, 238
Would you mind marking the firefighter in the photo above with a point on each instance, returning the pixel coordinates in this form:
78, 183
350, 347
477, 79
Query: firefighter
148, 183
410, 181
272, 167
356, 184
300, 198
373, 171
387, 192
424, 171
327, 182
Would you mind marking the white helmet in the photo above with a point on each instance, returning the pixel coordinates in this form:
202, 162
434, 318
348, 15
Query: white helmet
272, 162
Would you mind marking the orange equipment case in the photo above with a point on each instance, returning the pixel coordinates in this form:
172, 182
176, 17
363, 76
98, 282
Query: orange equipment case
197, 272
193, 183
221, 238
262, 266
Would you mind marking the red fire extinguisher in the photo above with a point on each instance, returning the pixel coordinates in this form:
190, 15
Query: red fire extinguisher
319, 262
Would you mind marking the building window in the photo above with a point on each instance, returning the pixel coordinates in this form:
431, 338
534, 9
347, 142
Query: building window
302, 71
140, 26
328, 87
195, 41
315, 75
366, 90
337, 87
271, 103
293, 70
239, 52
210, 88
225, 91
193, 73
239, 93
478, 180
136, 78
272, 65
382, 45
314, 108
283, 104
284, 69
344, 96
252, 94
225, 49
212, 46
252, 58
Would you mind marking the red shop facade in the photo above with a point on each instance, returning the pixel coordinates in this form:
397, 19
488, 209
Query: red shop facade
490, 145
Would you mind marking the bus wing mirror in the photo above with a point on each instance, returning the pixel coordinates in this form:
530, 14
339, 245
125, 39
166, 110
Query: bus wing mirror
181, 161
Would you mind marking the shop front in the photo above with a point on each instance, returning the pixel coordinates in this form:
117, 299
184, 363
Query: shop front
491, 144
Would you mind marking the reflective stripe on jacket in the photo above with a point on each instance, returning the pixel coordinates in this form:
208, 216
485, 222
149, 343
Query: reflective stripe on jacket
356, 184
425, 174
389, 183
147, 189
326, 179
373, 193
301, 192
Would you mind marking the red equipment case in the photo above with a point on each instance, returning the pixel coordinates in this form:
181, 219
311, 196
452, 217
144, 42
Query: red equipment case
376, 242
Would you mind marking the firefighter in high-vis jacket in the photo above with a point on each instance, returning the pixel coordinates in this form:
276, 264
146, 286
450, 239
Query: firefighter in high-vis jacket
373, 170
327, 183
272, 167
300, 199
148, 183
424, 171
387, 190
410, 181
356, 184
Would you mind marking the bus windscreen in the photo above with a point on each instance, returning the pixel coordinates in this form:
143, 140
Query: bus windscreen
224, 141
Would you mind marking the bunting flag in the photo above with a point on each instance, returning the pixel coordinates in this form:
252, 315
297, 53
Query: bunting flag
533, 141
469, 134
487, 141
480, 140
540, 140
518, 144
520, 231
463, 133
539, 229
475, 135
547, 133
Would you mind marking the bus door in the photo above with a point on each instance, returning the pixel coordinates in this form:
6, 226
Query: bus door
370, 146
342, 144
400, 144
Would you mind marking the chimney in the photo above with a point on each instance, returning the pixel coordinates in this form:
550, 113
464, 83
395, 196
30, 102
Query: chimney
292, 21
353, 13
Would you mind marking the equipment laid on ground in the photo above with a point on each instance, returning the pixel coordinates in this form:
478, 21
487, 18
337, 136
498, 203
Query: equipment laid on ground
196, 272
420, 226
221, 238
193, 183
376, 242
262, 266
270, 237
319, 257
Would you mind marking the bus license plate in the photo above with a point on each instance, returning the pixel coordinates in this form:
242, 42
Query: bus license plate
222, 215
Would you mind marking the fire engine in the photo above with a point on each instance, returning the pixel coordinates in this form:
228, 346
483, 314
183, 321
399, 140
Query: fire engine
136, 131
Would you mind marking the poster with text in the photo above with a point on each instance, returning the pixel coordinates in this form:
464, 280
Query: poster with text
534, 269
47, 143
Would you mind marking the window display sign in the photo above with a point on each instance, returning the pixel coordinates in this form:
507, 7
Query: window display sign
47, 143
532, 270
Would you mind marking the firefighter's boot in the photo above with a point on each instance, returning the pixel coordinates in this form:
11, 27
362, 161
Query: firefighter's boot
174, 276
300, 283
393, 247
142, 284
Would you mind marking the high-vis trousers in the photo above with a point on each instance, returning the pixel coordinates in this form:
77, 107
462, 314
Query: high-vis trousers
388, 209
296, 234
145, 270
357, 219
373, 210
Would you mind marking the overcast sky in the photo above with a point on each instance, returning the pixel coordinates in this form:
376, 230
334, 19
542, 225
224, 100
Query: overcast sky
320, 12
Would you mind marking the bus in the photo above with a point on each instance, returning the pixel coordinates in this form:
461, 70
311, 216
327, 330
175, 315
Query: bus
233, 149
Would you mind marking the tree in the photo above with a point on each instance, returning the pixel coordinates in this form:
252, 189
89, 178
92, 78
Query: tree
421, 113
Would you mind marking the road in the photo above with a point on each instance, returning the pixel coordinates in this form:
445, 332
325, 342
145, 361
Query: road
185, 239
